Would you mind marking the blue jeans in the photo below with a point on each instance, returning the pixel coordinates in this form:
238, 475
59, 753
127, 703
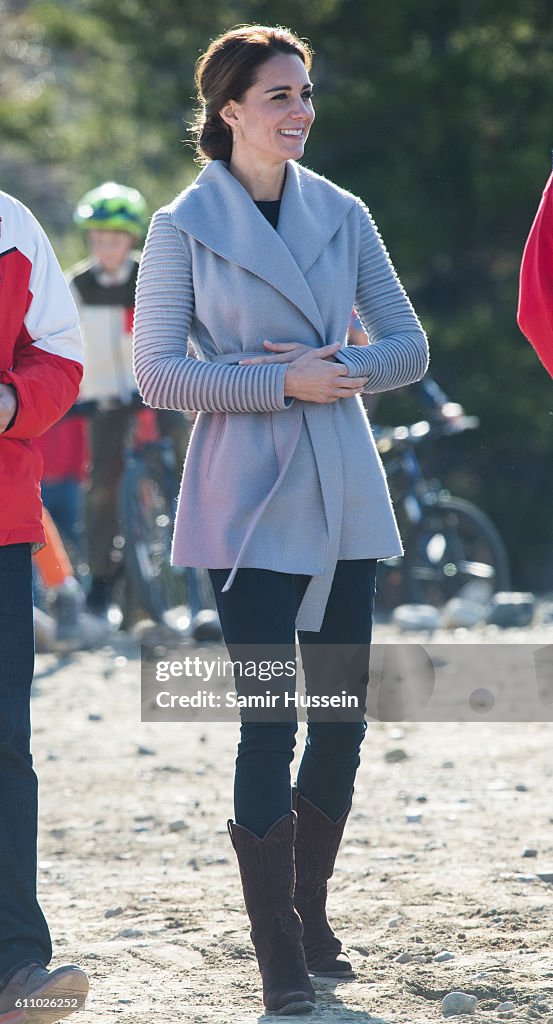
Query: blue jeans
24, 935
64, 501
260, 609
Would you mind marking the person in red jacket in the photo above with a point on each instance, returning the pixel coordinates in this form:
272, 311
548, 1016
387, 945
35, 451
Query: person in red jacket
535, 301
40, 372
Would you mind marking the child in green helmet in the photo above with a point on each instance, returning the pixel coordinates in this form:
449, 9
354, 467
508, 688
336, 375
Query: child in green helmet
115, 219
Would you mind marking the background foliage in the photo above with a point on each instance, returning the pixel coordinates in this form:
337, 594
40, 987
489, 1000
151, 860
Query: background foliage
438, 115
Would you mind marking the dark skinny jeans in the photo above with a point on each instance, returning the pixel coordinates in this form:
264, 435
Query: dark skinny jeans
260, 609
24, 936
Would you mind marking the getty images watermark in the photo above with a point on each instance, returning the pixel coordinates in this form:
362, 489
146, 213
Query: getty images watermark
348, 683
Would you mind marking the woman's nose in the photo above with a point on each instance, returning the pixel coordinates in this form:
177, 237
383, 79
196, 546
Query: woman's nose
301, 110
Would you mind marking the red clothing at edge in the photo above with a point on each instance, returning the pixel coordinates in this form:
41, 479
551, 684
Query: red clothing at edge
65, 451
535, 305
40, 356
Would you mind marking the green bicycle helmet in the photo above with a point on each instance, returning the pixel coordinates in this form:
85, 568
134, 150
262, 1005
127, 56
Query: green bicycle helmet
113, 207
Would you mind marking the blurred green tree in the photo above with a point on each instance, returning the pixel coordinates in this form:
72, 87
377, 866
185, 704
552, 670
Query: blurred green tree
437, 114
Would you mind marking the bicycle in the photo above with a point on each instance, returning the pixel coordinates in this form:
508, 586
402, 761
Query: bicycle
147, 505
452, 548
148, 497
180, 597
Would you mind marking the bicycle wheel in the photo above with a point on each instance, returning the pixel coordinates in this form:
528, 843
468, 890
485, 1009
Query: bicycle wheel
454, 551
147, 508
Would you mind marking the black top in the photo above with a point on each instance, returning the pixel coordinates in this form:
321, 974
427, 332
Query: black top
270, 208
93, 293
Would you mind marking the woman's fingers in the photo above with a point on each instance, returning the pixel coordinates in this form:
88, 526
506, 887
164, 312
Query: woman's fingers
353, 382
256, 360
349, 387
327, 350
284, 349
282, 346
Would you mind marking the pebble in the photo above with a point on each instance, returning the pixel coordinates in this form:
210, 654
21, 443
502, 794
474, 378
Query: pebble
509, 609
416, 616
178, 826
114, 912
414, 818
145, 752
205, 625
458, 613
546, 876
394, 922
547, 618
395, 755
521, 788
403, 958
507, 1005
456, 1003
448, 764
95, 717
445, 954
529, 852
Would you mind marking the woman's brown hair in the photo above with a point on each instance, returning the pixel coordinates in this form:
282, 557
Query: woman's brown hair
226, 71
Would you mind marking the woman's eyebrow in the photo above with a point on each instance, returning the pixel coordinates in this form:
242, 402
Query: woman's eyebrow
287, 88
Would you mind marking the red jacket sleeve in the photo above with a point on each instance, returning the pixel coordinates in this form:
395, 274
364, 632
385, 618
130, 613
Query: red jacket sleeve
47, 360
535, 303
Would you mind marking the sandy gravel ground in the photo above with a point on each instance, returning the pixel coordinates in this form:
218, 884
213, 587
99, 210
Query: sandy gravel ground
140, 883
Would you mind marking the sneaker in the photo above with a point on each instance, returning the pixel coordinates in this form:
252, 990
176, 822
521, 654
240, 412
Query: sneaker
76, 629
37, 996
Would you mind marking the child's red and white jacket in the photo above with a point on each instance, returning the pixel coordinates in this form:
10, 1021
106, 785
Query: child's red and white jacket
40, 356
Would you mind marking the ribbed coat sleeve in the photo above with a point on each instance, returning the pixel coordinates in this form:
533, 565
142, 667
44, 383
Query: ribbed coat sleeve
398, 349
167, 377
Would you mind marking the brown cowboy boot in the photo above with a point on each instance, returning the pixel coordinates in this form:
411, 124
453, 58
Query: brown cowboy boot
267, 873
316, 847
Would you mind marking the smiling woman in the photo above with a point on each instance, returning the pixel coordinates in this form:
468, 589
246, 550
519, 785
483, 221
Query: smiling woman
283, 498
244, 99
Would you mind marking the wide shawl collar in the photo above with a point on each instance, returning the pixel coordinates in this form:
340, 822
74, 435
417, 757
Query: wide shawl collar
311, 212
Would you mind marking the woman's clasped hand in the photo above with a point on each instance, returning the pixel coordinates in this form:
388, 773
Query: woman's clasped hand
313, 374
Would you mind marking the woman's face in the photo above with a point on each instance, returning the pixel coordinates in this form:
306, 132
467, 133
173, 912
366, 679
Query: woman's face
277, 104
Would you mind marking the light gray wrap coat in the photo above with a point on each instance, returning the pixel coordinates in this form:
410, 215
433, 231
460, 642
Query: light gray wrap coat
273, 482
